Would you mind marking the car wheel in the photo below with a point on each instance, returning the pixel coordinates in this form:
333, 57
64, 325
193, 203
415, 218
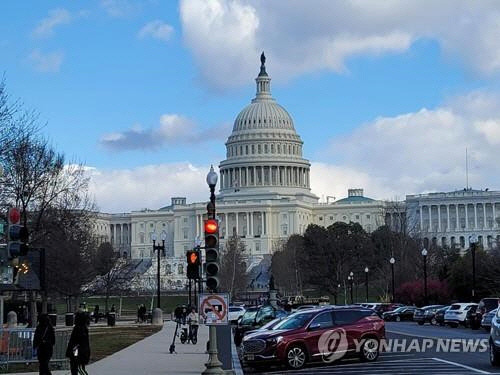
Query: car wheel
454, 325
420, 323
398, 318
296, 357
433, 321
487, 329
494, 355
369, 350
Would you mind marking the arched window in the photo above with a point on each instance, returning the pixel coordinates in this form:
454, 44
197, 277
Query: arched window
246, 149
141, 237
259, 149
180, 269
265, 149
279, 149
168, 269
272, 148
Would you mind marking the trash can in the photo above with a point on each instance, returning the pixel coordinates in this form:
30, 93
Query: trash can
70, 319
53, 319
111, 319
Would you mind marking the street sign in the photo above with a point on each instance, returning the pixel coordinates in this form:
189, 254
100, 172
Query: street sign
214, 308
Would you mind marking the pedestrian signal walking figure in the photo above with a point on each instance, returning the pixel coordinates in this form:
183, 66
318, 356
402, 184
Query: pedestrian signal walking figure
43, 343
78, 350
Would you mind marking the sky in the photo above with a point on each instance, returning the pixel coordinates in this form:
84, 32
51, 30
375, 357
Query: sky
386, 96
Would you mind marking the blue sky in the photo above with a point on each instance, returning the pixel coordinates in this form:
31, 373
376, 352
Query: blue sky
164, 74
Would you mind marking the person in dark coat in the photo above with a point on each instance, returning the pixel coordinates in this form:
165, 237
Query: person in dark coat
78, 350
43, 342
96, 313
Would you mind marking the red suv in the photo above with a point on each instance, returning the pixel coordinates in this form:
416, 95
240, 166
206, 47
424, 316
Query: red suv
323, 334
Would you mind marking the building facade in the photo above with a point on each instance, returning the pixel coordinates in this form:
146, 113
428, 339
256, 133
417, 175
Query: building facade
264, 197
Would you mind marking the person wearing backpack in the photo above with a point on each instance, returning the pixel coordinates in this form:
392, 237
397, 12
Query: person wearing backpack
43, 343
78, 350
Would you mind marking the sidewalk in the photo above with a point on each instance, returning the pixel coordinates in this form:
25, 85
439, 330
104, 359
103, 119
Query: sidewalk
151, 356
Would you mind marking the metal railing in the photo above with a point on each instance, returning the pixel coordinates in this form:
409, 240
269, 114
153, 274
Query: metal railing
16, 346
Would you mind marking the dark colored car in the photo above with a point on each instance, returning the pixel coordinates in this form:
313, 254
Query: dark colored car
305, 337
487, 318
426, 314
255, 317
399, 314
381, 308
439, 316
495, 340
471, 318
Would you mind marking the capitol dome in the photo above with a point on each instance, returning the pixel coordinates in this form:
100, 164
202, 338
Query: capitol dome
264, 152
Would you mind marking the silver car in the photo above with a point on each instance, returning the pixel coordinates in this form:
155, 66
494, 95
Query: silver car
487, 318
495, 339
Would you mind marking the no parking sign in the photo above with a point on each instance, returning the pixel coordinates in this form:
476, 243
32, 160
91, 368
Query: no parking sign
213, 308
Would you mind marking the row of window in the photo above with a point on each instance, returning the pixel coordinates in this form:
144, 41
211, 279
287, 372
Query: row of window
273, 148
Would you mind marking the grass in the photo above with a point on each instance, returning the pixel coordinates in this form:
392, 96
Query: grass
103, 342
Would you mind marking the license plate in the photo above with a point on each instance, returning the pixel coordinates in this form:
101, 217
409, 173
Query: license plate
249, 357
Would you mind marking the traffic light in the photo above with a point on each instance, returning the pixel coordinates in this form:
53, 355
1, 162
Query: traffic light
212, 253
193, 264
17, 235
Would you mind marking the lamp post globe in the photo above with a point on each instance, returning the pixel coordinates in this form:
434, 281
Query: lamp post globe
392, 260
212, 177
366, 282
424, 252
473, 243
366, 269
424, 255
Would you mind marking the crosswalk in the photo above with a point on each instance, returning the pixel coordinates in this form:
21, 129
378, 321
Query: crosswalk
413, 366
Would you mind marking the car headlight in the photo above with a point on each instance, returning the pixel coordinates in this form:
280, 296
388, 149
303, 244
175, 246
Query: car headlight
275, 340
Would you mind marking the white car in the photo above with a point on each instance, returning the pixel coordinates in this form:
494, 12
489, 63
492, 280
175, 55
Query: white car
457, 313
235, 312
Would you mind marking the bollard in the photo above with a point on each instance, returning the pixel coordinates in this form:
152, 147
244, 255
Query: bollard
111, 319
157, 318
70, 319
11, 319
53, 319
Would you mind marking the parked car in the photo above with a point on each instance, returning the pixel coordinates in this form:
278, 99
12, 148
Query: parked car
439, 316
487, 318
381, 308
457, 314
256, 317
485, 306
399, 314
426, 314
235, 312
294, 341
495, 339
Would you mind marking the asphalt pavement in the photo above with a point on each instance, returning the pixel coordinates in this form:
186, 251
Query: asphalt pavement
416, 350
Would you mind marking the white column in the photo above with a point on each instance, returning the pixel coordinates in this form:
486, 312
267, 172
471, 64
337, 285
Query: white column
246, 177
439, 217
262, 223
475, 215
494, 215
448, 224
248, 224
466, 217
262, 176
430, 218
226, 220
484, 216
421, 219
237, 227
458, 220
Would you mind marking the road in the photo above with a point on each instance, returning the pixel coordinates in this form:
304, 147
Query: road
433, 360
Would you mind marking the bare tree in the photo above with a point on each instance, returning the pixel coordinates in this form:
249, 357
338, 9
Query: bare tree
233, 277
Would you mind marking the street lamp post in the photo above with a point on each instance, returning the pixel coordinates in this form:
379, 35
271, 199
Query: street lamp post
366, 282
213, 366
351, 275
158, 248
392, 261
473, 242
424, 254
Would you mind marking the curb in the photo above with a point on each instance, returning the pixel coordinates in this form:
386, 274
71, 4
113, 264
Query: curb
236, 359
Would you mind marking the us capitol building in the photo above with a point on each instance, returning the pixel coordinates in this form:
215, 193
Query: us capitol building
265, 197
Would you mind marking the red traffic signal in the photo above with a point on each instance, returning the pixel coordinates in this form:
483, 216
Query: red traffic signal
193, 258
14, 215
193, 264
211, 226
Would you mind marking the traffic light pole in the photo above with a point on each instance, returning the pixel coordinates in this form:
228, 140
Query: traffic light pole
213, 366
158, 248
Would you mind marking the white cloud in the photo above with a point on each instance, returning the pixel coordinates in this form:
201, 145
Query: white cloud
417, 152
120, 8
226, 36
46, 62
55, 18
124, 190
173, 129
156, 29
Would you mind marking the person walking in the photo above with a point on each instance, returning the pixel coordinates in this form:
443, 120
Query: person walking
96, 313
193, 321
78, 350
43, 343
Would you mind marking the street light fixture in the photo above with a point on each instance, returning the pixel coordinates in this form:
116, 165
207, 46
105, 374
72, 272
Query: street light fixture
392, 261
366, 282
473, 244
158, 248
424, 254
213, 366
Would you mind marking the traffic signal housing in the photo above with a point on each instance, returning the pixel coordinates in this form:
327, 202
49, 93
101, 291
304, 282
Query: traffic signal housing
193, 264
212, 254
17, 235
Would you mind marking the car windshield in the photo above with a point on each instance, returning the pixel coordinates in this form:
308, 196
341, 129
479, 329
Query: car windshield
271, 324
294, 321
234, 309
248, 317
455, 307
399, 309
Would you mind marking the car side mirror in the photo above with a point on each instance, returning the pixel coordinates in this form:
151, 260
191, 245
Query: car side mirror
314, 326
